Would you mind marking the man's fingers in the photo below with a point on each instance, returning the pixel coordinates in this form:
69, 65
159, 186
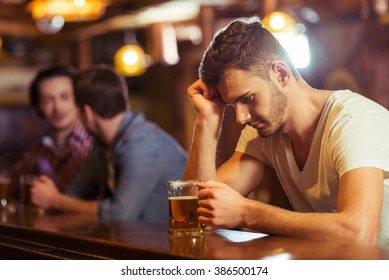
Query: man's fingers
205, 193
211, 93
205, 221
199, 87
203, 211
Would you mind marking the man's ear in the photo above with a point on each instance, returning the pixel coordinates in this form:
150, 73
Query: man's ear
281, 71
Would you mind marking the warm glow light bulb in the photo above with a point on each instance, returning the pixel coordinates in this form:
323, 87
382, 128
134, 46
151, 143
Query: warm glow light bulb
277, 22
291, 36
130, 60
280, 22
130, 57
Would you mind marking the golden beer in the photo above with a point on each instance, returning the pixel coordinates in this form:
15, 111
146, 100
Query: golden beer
183, 212
183, 204
27, 194
25, 189
26, 182
5, 189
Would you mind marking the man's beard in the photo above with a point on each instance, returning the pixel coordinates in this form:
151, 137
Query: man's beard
278, 103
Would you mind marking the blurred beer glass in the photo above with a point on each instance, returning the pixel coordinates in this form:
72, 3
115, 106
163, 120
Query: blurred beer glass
5, 191
25, 182
183, 204
25, 189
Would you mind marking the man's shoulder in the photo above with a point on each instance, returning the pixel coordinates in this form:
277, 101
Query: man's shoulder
136, 125
345, 103
136, 129
352, 99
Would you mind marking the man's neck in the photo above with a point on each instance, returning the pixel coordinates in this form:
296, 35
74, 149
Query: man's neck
306, 109
60, 136
109, 129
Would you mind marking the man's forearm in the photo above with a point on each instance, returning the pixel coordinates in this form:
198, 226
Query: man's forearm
318, 226
202, 157
68, 204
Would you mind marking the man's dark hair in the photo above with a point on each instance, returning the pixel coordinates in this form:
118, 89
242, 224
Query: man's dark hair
103, 89
243, 44
48, 73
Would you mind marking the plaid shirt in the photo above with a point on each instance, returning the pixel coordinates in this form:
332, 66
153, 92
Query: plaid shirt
62, 165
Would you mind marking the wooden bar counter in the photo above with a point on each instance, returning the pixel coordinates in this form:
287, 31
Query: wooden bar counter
59, 236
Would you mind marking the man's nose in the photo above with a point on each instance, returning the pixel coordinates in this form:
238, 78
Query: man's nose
242, 115
57, 104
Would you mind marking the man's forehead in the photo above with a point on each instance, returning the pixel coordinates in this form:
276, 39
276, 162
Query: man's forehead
223, 91
232, 85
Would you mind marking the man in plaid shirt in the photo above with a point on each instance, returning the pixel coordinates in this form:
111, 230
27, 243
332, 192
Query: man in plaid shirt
68, 148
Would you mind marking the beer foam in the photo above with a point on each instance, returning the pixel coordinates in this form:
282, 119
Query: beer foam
184, 197
181, 183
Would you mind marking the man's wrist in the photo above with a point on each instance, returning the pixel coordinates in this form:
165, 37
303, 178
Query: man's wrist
210, 124
247, 210
57, 201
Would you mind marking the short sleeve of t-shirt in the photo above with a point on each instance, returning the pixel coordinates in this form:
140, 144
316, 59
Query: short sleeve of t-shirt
358, 135
252, 144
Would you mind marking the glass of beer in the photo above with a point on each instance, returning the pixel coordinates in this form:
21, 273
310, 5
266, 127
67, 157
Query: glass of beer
26, 182
5, 191
183, 204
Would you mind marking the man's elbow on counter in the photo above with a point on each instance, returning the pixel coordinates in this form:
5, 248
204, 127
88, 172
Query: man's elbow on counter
363, 235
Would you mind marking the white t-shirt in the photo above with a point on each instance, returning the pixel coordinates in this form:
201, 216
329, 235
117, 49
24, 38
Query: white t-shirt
352, 132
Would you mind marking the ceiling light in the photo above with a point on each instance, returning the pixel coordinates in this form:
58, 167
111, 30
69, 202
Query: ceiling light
280, 22
291, 36
130, 60
69, 10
